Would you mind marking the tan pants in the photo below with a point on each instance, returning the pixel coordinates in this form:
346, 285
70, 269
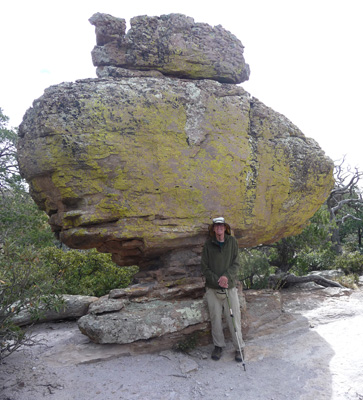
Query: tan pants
217, 305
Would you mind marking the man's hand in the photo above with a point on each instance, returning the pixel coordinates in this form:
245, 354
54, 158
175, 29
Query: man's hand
223, 282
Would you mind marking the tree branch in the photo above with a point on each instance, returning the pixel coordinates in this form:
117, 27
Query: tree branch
279, 281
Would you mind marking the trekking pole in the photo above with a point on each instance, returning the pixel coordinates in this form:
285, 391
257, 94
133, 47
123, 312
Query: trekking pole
235, 330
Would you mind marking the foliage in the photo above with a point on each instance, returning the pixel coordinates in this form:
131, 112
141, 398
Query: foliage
21, 290
88, 273
189, 343
255, 269
24, 231
32, 279
338, 222
311, 249
350, 263
351, 243
315, 260
22, 222
20, 219
351, 231
8, 164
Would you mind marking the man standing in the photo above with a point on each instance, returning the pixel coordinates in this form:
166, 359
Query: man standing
220, 266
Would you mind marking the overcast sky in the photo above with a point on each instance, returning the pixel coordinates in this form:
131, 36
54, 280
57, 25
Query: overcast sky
305, 56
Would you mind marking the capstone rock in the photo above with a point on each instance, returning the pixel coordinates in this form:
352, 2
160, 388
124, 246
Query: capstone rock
173, 44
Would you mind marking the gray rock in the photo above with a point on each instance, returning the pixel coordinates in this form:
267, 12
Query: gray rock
188, 365
143, 321
74, 307
115, 72
103, 306
328, 274
172, 44
108, 28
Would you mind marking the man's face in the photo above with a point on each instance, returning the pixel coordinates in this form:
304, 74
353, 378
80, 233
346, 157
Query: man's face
219, 229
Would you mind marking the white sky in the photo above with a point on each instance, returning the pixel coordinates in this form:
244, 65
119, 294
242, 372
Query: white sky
305, 55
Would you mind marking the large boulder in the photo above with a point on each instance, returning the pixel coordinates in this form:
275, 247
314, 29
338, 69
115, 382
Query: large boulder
138, 166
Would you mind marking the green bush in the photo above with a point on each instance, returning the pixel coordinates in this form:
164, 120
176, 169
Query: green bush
21, 221
88, 273
255, 269
350, 263
20, 289
315, 260
188, 344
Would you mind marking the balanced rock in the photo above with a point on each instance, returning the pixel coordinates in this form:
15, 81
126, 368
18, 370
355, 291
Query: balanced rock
172, 44
138, 161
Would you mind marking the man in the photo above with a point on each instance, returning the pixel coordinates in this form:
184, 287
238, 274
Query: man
220, 266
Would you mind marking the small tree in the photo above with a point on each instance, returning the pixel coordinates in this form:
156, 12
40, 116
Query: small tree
20, 290
9, 172
345, 201
24, 230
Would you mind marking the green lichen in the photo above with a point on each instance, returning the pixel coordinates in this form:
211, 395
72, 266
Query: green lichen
131, 164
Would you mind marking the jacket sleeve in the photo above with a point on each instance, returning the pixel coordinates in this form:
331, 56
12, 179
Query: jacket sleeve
210, 276
232, 271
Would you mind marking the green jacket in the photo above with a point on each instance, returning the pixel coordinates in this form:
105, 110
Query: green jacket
218, 261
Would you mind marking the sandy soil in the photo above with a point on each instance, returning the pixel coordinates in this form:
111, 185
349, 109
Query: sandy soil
312, 354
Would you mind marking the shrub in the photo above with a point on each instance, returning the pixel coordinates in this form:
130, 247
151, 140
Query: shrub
88, 273
21, 289
22, 222
255, 269
321, 259
187, 344
350, 263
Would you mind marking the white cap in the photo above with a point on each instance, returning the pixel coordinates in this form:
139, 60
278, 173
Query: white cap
219, 220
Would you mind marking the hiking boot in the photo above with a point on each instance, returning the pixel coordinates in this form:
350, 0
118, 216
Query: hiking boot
238, 357
216, 353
